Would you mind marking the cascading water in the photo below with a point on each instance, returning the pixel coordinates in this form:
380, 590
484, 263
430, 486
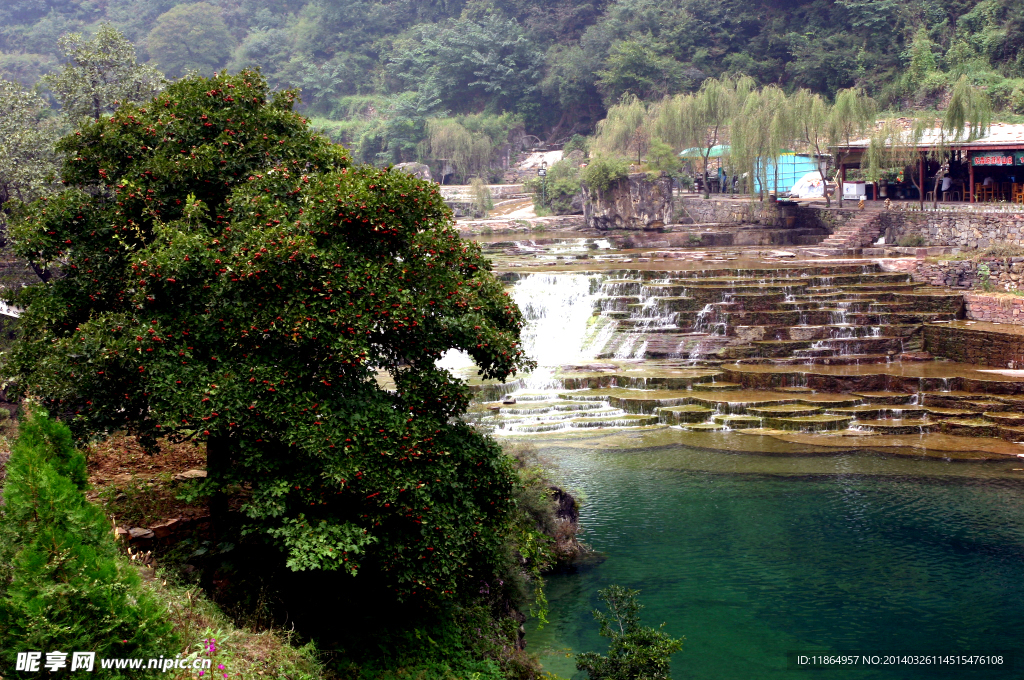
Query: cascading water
557, 309
703, 317
838, 316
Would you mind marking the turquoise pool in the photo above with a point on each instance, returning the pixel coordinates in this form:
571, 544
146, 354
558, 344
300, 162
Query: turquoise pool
751, 557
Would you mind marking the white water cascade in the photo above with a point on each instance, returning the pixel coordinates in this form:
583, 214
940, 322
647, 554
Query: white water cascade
558, 309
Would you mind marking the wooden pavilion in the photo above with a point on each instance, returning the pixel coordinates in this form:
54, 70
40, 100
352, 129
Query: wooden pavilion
990, 168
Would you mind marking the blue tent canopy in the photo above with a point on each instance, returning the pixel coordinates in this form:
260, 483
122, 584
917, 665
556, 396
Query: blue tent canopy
791, 166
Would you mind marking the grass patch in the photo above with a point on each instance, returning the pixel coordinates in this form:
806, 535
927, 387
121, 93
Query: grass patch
1000, 250
235, 652
911, 241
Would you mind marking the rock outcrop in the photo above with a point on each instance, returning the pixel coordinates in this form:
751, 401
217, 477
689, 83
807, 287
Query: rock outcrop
420, 170
635, 202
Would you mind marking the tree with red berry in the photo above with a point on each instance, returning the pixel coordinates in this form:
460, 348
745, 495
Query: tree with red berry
217, 270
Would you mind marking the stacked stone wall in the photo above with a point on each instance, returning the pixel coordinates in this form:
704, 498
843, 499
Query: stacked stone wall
1003, 275
697, 210
962, 229
980, 346
995, 307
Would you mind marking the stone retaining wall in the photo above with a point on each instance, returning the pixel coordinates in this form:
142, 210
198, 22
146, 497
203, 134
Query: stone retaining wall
995, 307
1003, 275
981, 345
691, 208
960, 229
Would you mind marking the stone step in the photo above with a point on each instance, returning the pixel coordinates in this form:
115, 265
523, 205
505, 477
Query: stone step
878, 411
939, 413
737, 422
826, 399
703, 427
618, 421
887, 397
839, 360
831, 331
686, 413
814, 423
896, 426
784, 410
617, 303
740, 401
969, 427
1005, 418
717, 387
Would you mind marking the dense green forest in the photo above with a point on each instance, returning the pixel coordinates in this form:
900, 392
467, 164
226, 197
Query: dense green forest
373, 73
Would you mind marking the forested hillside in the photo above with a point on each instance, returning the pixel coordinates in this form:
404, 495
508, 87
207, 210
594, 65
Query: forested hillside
374, 73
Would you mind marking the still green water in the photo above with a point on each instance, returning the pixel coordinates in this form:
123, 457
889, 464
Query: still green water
750, 557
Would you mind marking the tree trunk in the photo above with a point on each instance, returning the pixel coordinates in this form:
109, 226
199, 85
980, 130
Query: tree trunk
920, 193
707, 189
842, 179
218, 462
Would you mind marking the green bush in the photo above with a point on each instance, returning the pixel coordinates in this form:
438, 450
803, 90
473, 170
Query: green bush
482, 201
553, 195
635, 651
576, 143
602, 171
62, 585
911, 241
1016, 102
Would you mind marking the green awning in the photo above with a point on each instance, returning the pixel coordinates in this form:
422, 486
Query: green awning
716, 152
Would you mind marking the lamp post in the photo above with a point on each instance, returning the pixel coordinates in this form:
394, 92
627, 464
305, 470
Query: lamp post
543, 173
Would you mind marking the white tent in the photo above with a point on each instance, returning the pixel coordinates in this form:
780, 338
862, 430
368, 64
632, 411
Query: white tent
808, 186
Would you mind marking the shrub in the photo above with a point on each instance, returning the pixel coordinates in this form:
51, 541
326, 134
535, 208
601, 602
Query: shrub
555, 195
602, 171
635, 651
576, 143
482, 201
1016, 102
63, 586
911, 241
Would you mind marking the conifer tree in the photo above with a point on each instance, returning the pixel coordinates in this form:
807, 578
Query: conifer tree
62, 585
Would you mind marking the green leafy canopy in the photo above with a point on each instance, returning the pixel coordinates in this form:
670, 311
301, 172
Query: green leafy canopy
218, 271
635, 652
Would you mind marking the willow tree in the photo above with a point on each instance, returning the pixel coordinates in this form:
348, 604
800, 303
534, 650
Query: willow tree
468, 152
625, 131
967, 117
700, 120
28, 162
899, 144
811, 122
762, 128
852, 114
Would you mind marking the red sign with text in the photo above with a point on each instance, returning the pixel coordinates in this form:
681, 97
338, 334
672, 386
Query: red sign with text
1000, 160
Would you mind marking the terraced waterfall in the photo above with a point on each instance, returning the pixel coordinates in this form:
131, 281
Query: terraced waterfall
769, 454
828, 348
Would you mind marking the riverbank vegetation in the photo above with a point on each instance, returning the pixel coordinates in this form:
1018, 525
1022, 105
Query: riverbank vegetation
228, 277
